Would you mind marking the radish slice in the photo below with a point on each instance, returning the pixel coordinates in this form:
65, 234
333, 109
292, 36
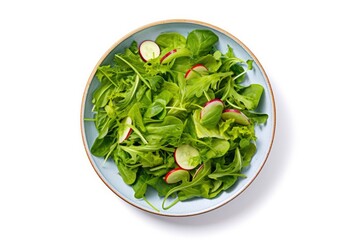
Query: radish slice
195, 71
211, 113
167, 57
176, 175
185, 157
148, 50
175, 53
125, 132
237, 115
198, 170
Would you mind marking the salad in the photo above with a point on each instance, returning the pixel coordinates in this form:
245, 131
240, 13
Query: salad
175, 115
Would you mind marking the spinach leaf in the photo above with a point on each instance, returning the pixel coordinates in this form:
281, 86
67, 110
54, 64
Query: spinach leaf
140, 185
233, 169
171, 40
127, 174
101, 146
249, 97
210, 62
259, 118
201, 41
203, 132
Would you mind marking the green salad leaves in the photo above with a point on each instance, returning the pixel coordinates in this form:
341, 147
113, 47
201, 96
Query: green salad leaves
191, 94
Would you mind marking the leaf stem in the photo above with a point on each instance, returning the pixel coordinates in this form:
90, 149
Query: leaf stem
90, 119
177, 108
239, 75
152, 206
207, 96
233, 105
135, 70
108, 78
138, 133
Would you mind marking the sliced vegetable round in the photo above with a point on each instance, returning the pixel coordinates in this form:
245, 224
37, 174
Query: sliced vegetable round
175, 53
187, 157
195, 71
198, 170
168, 56
237, 115
177, 175
125, 132
148, 50
211, 113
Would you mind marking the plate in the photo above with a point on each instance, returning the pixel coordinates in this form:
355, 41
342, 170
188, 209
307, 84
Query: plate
108, 172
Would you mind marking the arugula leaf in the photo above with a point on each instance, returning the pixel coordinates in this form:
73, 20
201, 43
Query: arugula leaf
232, 169
135, 115
197, 86
166, 132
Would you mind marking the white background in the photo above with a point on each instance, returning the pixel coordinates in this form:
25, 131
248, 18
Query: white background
308, 189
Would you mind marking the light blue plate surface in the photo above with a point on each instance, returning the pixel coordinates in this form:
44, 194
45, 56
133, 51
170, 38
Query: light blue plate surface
109, 172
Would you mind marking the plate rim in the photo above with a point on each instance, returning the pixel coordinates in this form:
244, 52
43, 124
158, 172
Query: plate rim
162, 22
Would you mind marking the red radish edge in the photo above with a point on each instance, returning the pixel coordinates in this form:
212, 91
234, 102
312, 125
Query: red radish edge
209, 102
128, 133
198, 170
214, 100
171, 172
180, 165
232, 110
193, 67
167, 54
140, 52
236, 111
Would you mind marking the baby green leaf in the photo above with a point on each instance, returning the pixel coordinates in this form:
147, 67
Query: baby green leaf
127, 174
171, 40
201, 41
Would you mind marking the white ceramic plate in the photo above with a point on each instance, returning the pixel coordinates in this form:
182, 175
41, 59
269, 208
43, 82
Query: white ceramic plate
109, 172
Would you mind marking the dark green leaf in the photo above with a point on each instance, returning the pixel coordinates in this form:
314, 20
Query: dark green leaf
101, 146
140, 185
127, 174
201, 41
